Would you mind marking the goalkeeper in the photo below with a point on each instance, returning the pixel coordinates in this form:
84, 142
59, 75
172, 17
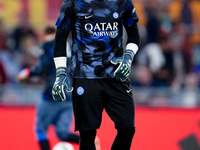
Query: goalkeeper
99, 67
49, 111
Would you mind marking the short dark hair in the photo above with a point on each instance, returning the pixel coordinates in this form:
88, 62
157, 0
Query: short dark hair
50, 30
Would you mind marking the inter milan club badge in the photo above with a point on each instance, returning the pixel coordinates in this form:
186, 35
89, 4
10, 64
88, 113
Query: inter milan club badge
80, 90
115, 15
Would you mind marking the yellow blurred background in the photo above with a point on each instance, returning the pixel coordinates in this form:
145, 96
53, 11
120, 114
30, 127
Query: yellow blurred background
42, 12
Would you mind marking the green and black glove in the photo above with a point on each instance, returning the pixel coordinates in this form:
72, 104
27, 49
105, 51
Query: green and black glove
61, 85
123, 70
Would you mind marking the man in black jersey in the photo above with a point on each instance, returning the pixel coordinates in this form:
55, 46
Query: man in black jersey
100, 67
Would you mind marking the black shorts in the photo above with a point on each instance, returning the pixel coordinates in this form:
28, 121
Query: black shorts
91, 96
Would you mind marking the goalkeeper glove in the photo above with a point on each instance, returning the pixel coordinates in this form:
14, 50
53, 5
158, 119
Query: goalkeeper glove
123, 70
61, 85
22, 75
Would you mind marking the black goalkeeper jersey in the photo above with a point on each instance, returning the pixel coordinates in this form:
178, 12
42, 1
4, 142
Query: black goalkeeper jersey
97, 29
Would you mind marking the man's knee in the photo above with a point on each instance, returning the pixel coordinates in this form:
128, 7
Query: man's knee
62, 135
127, 131
87, 138
87, 135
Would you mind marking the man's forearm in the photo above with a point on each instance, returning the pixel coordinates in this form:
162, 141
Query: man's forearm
60, 42
133, 35
60, 54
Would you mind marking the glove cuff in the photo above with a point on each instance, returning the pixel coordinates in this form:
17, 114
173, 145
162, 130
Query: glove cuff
129, 53
61, 70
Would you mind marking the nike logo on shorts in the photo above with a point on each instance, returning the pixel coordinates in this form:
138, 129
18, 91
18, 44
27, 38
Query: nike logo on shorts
128, 91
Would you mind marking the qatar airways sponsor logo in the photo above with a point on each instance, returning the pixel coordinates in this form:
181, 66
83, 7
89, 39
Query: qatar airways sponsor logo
103, 29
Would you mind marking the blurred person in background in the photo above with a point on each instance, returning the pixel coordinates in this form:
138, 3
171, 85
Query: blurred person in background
152, 56
153, 22
181, 59
8, 59
175, 66
18, 47
186, 20
49, 111
24, 43
167, 72
21, 31
171, 63
11, 65
29, 52
187, 16
166, 23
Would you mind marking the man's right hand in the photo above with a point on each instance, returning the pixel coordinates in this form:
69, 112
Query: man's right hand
61, 85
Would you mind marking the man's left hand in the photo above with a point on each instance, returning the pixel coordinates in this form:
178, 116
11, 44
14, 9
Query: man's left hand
123, 70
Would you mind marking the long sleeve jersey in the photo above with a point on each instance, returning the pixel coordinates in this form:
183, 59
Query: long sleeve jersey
97, 29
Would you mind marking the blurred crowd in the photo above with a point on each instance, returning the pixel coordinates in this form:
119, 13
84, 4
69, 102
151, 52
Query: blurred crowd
168, 57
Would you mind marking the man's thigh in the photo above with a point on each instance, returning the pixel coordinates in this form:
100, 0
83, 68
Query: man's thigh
87, 103
120, 103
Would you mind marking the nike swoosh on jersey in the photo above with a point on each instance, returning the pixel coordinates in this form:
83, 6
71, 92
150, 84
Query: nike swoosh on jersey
86, 17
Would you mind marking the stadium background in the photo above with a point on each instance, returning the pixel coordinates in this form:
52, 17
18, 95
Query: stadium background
167, 121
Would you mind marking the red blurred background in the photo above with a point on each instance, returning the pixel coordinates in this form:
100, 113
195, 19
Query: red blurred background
156, 129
